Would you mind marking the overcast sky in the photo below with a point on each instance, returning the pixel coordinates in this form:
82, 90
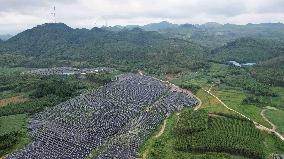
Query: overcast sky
18, 15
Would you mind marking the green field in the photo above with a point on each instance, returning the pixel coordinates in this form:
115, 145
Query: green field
165, 147
13, 131
277, 118
234, 98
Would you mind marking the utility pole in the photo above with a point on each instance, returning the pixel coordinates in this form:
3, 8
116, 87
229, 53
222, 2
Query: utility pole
53, 14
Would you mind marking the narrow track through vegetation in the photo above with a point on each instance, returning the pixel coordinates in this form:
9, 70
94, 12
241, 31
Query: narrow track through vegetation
274, 127
257, 125
176, 89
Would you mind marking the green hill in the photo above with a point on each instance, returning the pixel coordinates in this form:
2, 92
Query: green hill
50, 45
270, 71
4, 37
214, 35
249, 50
54, 39
164, 25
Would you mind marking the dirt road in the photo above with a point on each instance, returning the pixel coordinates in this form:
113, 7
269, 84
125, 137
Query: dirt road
257, 125
264, 117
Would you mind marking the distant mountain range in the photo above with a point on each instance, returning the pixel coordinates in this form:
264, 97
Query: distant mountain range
211, 35
214, 35
5, 37
59, 39
159, 47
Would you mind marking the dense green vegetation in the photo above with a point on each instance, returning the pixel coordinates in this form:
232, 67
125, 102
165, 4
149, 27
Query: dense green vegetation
30, 107
102, 78
214, 35
190, 121
13, 132
58, 86
223, 135
189, 86
270, 71
249, 84
249, 50
59, 45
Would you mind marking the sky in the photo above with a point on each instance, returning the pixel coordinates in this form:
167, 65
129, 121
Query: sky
19, 15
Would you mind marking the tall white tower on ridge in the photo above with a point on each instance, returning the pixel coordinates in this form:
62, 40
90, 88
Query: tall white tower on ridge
53, 14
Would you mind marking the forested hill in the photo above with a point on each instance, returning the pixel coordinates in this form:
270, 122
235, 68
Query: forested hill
270, 71
58, 44
4, 37
249, 50
214, 35
58, 38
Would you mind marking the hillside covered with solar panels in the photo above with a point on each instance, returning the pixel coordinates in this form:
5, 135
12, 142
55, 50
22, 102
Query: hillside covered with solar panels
114, 120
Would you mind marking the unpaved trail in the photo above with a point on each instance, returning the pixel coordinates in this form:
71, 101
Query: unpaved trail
257, 125
274, 127
145, 154
162, 129
210, 88
175, 88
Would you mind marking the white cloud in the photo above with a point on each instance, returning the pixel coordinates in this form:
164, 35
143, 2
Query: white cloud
17, 15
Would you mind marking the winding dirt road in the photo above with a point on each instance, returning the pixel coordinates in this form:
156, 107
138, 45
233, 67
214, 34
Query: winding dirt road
274, 127
257, 125
175, 88
162, 129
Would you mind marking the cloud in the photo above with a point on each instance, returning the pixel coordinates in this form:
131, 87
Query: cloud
27, 6
17, 15
274, 6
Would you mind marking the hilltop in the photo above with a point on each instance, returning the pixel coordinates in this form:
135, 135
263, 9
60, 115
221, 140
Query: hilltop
136, 48
249, 50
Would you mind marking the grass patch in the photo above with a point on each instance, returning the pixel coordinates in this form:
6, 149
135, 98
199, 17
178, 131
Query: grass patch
211, 104
277, 118
8, 70
164, 146
13, 130
234, 98
272, 145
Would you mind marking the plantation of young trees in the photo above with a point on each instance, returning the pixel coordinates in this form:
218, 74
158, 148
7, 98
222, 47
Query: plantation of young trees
191, 122
224, 134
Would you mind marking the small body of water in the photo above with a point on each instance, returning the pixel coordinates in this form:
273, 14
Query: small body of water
242, 64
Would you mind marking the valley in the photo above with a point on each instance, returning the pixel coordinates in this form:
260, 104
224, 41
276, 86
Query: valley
144, 92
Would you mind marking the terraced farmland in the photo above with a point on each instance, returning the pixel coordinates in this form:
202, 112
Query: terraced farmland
110, 122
